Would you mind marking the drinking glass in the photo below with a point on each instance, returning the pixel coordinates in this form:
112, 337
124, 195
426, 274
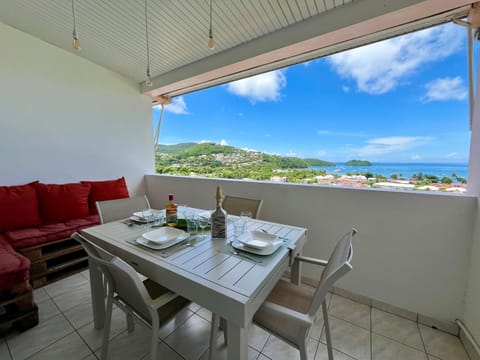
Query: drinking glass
203, 223
182, 211
246, 216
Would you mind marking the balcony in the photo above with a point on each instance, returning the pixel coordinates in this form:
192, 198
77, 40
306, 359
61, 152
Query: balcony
65, 118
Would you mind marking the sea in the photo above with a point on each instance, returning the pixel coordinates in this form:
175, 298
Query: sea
403, 170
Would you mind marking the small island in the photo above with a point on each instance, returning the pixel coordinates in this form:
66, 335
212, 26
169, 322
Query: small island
358, 163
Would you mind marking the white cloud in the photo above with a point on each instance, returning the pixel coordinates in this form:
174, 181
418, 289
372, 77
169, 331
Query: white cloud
416, 157
340, 133
321, 152
178, 106
452, 155
223, 142
291, 153
391, 144
378, 68
263, 87
444, 89
345, 88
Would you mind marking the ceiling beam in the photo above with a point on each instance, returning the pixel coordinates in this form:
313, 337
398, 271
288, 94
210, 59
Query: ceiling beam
355, 20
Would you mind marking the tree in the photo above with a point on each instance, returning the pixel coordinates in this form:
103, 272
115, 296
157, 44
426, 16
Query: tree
446, 180
394, 176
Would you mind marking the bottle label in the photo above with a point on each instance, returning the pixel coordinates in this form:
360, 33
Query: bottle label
171, 215
219, 229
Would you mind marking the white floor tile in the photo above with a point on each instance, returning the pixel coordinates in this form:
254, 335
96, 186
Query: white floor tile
80, 315
75, 297
322, 353
442, 345
175, 322
257, 337
397, 328
351, 311
387, 349
133, 346
47, 309
71, 347
93, 337
39, 337
40, 295
65, 285
349, 339
204, 313
190, 339
275, 348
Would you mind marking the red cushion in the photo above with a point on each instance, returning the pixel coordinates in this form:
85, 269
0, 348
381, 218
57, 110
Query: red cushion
23, 238
18, 207
14, 268
64, 202
106, 190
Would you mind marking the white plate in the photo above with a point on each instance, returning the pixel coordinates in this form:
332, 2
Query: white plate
266, 251
257, 239
165, 235
154, 246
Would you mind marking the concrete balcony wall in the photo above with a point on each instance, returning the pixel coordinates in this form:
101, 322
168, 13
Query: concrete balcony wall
412, 250
64, 119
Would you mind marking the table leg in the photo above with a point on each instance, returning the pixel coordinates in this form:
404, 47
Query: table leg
237, 348
98, 299
296, 273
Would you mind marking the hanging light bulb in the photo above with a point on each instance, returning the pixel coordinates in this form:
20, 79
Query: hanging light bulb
148, 80
211, 42
76, 41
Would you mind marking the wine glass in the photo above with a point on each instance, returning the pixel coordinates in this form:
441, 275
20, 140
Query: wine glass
203, 223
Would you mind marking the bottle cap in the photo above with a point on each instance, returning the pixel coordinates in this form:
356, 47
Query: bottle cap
170, 197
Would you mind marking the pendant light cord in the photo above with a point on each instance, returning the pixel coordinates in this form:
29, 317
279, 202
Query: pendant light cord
75, 34
146, 37
210, 30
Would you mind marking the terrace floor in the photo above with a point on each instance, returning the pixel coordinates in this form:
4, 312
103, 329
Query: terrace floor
359, 332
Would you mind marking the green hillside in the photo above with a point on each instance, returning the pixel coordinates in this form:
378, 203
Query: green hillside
171, 149
318, 162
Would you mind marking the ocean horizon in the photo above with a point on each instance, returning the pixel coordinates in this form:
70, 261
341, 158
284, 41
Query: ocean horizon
403, 170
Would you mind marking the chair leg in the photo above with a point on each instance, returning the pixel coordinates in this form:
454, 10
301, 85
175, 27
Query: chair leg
155, 331
327, 331
303, 350
130, 323
223, 327
213, 336
107, 325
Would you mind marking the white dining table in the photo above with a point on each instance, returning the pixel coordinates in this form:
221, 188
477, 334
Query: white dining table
227, 284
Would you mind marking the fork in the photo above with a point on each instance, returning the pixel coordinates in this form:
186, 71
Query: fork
244, 256
280, 237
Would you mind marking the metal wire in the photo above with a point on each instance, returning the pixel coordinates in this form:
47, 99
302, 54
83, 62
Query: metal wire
146, 37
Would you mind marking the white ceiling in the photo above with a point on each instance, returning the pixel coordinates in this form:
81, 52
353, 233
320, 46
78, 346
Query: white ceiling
251, 35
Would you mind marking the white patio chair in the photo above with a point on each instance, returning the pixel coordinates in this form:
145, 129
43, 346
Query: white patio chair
111, 210
289, 311
148, 302
234, 205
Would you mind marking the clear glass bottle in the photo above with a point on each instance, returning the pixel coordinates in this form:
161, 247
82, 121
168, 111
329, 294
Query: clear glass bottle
171, 211
219, 218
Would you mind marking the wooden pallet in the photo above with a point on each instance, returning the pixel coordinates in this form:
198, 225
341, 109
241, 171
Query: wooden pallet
55, 260
17, 309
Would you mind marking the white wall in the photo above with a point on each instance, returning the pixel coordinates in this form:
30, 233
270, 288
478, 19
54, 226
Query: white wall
64, 119
412, 250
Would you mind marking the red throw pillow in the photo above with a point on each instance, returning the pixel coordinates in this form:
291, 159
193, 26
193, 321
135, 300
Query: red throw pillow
59, 203
18, 207
106, 190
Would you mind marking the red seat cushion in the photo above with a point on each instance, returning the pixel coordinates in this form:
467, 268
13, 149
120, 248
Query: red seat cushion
23, 238
59, 203
18, 207
106, 190
14, 268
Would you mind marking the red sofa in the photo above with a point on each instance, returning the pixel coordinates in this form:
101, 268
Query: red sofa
36, 221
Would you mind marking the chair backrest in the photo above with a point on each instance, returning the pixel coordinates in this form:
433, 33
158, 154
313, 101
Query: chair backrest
121, 277
112, 210
234, 205
338, 265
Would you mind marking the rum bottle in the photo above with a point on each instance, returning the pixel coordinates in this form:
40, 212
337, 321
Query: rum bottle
219, 218
171, 211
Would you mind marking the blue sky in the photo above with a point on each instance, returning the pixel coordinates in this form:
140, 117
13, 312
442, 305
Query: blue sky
400, 100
